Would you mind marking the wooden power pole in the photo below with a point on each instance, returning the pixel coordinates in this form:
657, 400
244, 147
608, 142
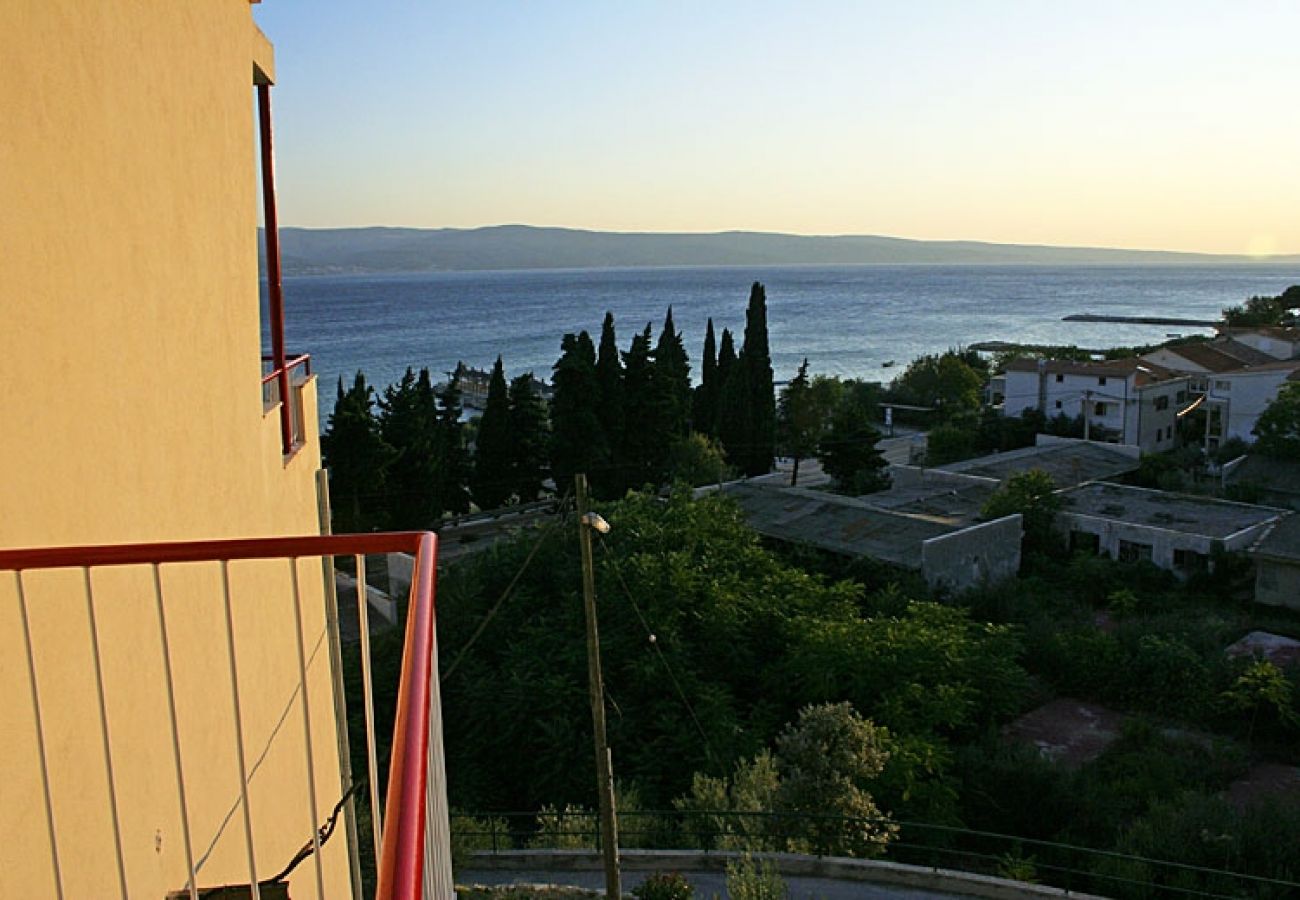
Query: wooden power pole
604, 764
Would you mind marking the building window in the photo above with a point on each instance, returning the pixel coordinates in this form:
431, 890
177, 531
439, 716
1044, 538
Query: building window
1058, 404
1131, 551
1181, 398
1159, 435
1101, 380
1099, 409
1060, 378
1085, 542
1191, 561
1162, 402
1223, 385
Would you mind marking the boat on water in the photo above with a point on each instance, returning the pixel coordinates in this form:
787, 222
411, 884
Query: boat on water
889, 363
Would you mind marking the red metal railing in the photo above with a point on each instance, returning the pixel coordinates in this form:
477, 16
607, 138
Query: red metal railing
413, 849
279, 385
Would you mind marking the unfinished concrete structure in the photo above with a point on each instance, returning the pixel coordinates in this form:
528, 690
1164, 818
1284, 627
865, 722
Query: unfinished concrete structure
1069, 461
930, 528
1178, 532
1277, 564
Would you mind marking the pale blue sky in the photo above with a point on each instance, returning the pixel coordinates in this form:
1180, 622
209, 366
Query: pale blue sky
1134, 124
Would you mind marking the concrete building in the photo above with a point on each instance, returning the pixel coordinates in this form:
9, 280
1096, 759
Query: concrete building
1125, 401
1278, 341
1067, 460
1277, 564
929, 528
1177, 532
171, 718
1201, 359
1235, 399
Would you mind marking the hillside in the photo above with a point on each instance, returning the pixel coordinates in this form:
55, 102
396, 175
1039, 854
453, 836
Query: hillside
374, 250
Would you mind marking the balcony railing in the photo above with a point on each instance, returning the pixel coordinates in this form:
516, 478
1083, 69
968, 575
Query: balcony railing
233, 624
286, 382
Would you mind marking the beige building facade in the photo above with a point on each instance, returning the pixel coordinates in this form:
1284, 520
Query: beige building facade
131, 354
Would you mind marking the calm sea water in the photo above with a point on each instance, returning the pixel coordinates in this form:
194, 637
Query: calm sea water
847, 320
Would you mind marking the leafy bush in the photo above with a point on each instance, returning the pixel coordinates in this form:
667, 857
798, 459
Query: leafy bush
750, 880
570, 828
664, 886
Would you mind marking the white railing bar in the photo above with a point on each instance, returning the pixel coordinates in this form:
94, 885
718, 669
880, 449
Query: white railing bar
103, 730
192, 884
438, 882
239, 732
367, 690
306, 727
40, 736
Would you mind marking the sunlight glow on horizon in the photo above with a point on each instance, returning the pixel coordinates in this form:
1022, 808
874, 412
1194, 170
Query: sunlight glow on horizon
1157, 126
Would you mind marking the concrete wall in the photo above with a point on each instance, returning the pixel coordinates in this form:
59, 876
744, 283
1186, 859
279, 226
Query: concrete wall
1277, 582
1046, 440
1243, 396
984, 553
130, 354
1163, 541
1156, 429
918, 476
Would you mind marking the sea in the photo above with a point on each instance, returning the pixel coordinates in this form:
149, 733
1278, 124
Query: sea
852, 321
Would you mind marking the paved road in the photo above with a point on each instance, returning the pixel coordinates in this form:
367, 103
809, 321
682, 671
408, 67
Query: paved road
708, 884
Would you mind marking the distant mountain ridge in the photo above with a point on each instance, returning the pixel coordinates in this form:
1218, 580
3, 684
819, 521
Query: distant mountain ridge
305, 251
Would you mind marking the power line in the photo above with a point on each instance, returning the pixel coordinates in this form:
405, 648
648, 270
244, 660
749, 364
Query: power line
505, 595
654, 642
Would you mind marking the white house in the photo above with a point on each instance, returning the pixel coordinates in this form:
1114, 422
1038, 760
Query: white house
1235, 399
1126, 401
1200, 359
1278, 341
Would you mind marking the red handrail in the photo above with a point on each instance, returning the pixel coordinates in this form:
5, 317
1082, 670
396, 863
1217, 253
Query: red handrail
401, 863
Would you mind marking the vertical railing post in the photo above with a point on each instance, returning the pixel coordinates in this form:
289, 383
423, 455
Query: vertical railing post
368, 696
274, 278
438, 877
103, 730
306, 727
239, 732
40, 736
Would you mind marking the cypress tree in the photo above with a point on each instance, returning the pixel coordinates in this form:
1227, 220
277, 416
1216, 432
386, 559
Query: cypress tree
578, 443
637, 453
357, 458
528, 432
453, 460
704, 403
612, 480
672, 388
492, 449
756, 360
729, 410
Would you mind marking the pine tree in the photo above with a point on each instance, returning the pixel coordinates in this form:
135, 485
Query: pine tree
492, 449
848, 449
409, 425
578, 443
756, 360
453, 460
637, 454
529, 439
798, 421
357, 457
704, 402
612, 480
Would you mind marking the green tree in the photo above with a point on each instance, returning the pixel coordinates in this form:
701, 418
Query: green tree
492, 483
950, 443
453, 459
757, 392
799, 422
357, 457
611, 481
697, 460
948, 382
1262, 688
848, 448
672, 384
577, 443
1277, 430
704, 402
637, 457
1033, 495
1264, 311
408, 424
529, 432
827, 762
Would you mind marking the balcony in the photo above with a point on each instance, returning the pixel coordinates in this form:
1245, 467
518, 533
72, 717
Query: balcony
278, 382
176, 725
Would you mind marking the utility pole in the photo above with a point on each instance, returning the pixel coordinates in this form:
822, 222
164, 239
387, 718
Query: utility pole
604, 764
1087, 420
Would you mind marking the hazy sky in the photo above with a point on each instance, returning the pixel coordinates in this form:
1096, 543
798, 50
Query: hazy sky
1129, 124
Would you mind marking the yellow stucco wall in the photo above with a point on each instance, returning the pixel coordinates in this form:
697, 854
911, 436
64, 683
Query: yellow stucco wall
130, 368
